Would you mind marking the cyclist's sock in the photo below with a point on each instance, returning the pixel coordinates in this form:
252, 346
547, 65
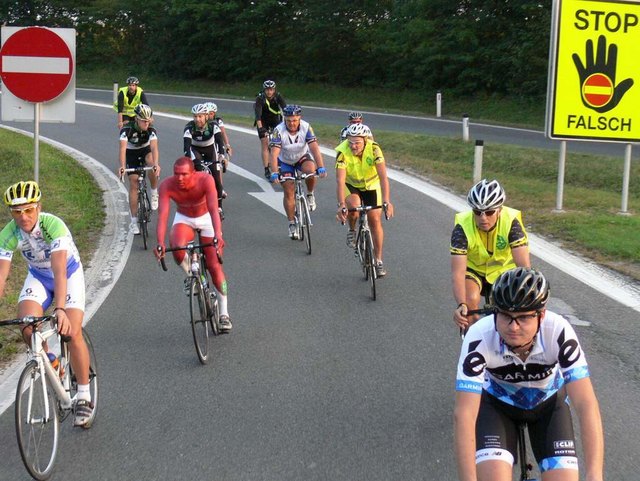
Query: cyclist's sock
134, 220
84, 392
153, 191
222, 303
185, 264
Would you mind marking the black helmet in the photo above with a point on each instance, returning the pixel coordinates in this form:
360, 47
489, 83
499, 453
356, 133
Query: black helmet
291, 110
519, 290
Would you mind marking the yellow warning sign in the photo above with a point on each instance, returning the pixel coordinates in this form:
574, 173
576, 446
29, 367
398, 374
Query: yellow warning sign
594, 77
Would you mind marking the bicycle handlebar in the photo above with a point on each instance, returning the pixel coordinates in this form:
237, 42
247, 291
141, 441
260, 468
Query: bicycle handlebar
191, 247
300, 176
137, 170
28, 320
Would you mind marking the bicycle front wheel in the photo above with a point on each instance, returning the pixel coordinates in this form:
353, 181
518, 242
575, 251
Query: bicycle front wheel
306, 225
142, 217
199, 321
93, 378
37, 425
370, 267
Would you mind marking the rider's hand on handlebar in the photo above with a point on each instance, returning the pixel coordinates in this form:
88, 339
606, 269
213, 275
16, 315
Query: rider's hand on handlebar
341, 215
388, 210
274, 178
159, 251
322, 172
63, 322
262, 130
460, 316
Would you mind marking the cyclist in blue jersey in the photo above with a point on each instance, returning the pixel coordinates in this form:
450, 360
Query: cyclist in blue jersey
518, 366
55, 277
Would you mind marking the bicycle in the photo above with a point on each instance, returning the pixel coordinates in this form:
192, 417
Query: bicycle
209, 167
203, 300
364, 250
144, 205
302, 213
45, 395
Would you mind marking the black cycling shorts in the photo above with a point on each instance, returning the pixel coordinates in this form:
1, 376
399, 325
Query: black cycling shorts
371, 198
136, 157
549, 425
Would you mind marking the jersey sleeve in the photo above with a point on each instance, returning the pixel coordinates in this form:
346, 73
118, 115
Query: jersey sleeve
8, 241
276, 139
571, 358
459, 242
517, 234
377, 154
471, 364
340, 161
124, 134
58, 233
311, 136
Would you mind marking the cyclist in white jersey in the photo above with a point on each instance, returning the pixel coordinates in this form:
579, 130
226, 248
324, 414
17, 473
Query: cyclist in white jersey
294, 146
55, 276
518, 366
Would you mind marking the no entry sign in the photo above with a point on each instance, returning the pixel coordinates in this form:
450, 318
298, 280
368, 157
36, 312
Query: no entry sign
36, 64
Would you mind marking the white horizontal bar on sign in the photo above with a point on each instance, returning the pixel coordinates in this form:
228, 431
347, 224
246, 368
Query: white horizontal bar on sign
44, 65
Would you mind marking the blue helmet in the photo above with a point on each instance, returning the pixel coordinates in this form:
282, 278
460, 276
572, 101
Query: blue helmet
291, 110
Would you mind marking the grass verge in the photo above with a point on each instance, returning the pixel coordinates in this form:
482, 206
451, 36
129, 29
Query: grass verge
68, 191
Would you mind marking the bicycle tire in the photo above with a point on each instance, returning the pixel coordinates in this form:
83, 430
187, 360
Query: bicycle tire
370, 264
37, 439
199, 328
298, 217
306, 224
93, 378
142, 219
213, 311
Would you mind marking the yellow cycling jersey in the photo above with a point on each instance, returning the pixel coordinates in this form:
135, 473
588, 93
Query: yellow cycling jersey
489, 253
127, 108
361, 172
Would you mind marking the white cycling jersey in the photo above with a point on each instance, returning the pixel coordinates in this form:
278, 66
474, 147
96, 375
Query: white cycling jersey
293, 146
487, 363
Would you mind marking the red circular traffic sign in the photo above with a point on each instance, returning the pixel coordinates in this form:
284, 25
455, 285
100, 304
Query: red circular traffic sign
597, 90
36, 64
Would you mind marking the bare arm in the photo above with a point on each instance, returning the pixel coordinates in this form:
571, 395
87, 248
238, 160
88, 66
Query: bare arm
317, 155
5, 267
275, 151
122, 156
59, 268
381, 169
465, 414
521, 256
583, 400
458, 272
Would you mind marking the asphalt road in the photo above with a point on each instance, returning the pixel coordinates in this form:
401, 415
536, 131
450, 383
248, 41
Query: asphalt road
316, 381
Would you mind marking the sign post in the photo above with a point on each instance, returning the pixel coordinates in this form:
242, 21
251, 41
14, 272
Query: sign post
36, 66
594, 73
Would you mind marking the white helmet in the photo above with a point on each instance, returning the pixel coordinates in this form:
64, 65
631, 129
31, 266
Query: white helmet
486, 195
211, 107
199, 109
143, 112
358, 130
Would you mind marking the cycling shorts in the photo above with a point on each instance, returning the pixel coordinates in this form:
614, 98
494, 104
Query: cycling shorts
40, 289
549, 426
288, 170
481, 281
371, 198
137, 157
203, 223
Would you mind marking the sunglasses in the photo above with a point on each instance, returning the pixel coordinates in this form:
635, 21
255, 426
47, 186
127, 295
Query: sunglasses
27, 210
519, 320
487, 213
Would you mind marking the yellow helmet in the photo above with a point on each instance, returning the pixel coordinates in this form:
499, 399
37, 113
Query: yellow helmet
23, 192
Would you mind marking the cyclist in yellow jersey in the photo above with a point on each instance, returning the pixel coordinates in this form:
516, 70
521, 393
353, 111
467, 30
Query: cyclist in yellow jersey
361, 177
486, 241
128, 98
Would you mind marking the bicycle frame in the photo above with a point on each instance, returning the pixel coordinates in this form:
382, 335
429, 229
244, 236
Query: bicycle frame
302, 211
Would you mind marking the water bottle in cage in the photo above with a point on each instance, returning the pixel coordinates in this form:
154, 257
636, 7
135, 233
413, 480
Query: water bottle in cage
195, 264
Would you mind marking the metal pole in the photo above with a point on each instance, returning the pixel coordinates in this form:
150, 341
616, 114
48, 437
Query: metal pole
439, 104
625, 180
115, 92
560, 188
465, 127
36, 140
477, 161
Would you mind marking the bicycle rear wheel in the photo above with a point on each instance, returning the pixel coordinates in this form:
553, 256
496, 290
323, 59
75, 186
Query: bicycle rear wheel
199, 321
37, 424
93, 378
306, 224
370, 268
